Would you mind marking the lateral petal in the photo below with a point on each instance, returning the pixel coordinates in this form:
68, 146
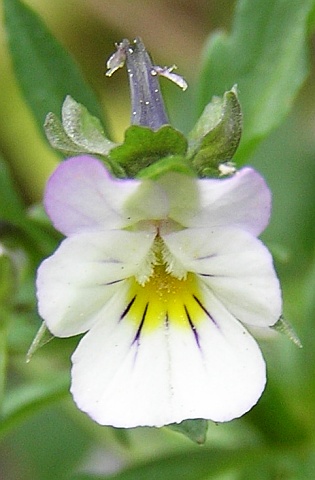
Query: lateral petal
243, 200
81, 196
236, 267
75, 283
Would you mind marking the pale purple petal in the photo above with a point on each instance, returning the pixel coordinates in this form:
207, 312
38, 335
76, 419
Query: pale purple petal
81, 196
243, 200
74, 284
235, 266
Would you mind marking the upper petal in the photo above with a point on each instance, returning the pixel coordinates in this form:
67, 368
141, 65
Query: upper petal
82, 196
75, 283
243, 200
236, 266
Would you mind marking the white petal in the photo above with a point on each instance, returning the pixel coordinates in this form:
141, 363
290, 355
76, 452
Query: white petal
75, 283
237, 268
243, 200
110, 381
163, 375
218, 372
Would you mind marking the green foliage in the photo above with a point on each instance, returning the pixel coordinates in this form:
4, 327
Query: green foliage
25, 400
11, 204
17, 228
266, 56
46, 72
246, 463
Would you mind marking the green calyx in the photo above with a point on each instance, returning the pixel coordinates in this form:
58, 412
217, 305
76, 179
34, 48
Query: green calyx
216, 136
145, 153
143, 148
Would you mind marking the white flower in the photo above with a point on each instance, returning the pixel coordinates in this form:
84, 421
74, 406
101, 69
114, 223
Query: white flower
164, 276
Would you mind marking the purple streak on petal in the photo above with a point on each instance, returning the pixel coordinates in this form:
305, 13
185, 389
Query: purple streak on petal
81, 196
192, 326
114, 282
137, 336
211, 255
205, 311
125, 312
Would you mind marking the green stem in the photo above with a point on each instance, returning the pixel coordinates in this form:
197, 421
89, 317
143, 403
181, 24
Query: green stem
3, 356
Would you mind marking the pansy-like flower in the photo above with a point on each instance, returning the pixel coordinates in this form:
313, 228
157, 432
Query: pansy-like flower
165, 278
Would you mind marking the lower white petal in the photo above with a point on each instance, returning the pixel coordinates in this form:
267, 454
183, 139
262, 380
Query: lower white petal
189, 364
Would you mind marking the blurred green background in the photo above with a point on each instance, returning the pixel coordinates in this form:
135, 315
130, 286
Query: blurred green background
43, 436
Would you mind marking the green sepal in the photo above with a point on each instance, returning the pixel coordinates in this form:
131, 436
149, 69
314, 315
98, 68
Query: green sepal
143, 147
57, 136
42, 337
283, 326
217, 134
79, 132
173, 163
195, 430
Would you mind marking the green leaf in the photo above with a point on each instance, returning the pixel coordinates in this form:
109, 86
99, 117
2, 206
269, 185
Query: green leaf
202, 464
266, 56
11, 205
143, 147
216, 136
195, 429
27, 399
15, 226
46, 72
7, 278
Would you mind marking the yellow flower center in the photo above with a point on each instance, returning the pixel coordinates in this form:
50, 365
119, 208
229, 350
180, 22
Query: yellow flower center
165, 299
